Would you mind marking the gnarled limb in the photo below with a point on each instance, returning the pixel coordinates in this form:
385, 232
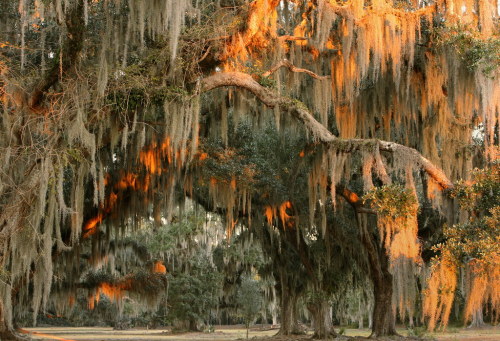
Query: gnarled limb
319, 132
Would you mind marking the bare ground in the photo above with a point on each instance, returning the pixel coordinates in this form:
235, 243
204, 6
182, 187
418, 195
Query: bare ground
226, 333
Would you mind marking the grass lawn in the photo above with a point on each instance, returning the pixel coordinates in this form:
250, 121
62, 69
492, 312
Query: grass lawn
225, 333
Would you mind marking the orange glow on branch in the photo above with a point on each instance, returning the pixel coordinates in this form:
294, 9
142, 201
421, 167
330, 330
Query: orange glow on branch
90, 227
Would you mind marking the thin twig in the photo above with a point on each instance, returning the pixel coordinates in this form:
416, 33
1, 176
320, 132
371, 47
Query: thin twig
292, 68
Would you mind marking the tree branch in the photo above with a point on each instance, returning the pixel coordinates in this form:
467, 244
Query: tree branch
353, 199
69, 54
293, 68
298, 110
291, 38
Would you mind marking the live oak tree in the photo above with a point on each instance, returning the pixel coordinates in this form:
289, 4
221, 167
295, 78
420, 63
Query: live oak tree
104, 105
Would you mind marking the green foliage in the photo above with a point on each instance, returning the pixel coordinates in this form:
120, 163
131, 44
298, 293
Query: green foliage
418, 332
392, 200
168, 237
261, 160
249, 300
235, 253
194, 283
482, 193
93, 278
475, 51
194, 296
267, 82
479, 236
316, 297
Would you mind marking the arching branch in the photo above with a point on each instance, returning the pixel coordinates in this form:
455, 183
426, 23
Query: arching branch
319, 132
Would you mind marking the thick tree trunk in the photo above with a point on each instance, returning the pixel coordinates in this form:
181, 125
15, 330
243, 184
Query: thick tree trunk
289, 324
383, 314
297, 329
322, 320
287, 316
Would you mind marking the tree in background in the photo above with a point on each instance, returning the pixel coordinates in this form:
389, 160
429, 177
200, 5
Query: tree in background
249, 300
194, 282
470, 251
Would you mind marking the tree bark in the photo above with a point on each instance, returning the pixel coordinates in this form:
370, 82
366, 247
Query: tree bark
289, 324
70, 51
287, 316
383, 314
477, 319
383, 320
322, 320
4, 329
6, 333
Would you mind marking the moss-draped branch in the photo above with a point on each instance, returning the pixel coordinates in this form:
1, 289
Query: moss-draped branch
301, 113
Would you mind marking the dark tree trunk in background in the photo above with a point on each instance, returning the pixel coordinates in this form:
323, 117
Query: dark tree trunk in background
186, 325
477, 318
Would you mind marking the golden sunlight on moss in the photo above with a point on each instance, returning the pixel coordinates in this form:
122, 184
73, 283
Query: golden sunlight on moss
261, 30
272, 213
440, 291
91, 225
114, 292
484, 287
159, 267
286, 219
